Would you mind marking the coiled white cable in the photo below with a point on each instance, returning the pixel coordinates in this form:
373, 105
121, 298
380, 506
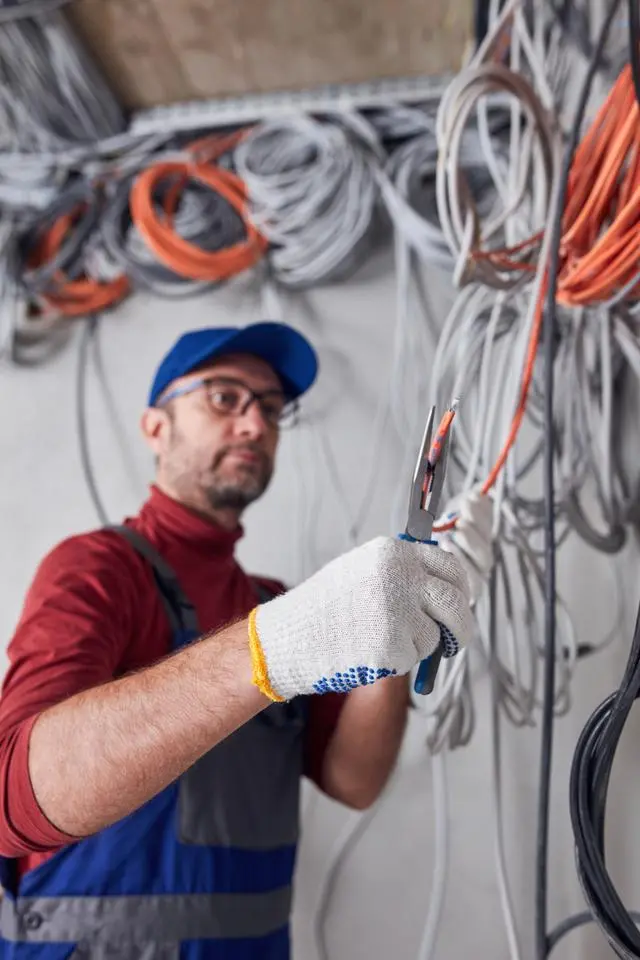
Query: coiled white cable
313, 194
51, 94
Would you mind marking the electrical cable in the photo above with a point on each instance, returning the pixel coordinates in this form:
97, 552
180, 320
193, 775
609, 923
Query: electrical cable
157, 227
202, 218
590, 774
136, 481
542, 873
517, 681
54, 250
51, 94
634, 45
86, 337
313, 195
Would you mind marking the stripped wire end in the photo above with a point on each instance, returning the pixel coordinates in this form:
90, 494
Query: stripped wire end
441, 433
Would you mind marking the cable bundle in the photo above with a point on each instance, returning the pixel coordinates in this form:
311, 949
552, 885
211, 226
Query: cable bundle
313, 195
51, 94
56, 250
175, 224
489, 350
180, 224
590, 774
155, 221
522, 178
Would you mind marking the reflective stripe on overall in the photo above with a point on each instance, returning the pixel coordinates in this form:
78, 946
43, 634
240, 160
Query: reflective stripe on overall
201, 872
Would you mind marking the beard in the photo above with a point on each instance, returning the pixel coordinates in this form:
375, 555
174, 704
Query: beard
236, 488
218, 483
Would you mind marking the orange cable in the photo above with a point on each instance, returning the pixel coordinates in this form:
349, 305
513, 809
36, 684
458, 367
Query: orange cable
181, 256
74, 298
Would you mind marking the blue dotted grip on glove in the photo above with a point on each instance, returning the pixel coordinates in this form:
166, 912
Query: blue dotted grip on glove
346, 680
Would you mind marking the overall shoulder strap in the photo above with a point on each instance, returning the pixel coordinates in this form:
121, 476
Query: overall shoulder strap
180, 610
264, 593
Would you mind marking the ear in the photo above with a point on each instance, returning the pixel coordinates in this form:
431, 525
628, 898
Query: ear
155, 425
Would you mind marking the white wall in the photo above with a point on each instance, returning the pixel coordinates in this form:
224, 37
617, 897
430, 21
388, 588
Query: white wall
380, 902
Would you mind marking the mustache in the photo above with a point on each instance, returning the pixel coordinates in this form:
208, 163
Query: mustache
249, 447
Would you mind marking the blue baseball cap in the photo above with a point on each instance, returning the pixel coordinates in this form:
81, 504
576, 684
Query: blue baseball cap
285, 350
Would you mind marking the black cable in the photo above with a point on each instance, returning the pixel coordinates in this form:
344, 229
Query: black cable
634, 43
590, 775
86, 337
549, 345
480, 20
576, 29
572, 923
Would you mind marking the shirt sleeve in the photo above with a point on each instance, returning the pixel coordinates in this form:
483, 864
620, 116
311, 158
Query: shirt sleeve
71, 636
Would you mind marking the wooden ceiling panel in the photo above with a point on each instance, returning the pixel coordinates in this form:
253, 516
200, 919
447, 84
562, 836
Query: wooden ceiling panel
164, 51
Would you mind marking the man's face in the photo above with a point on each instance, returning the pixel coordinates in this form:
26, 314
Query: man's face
209, 458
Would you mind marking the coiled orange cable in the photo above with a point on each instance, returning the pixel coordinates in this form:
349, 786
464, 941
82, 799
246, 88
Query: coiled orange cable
74, 298
172, 250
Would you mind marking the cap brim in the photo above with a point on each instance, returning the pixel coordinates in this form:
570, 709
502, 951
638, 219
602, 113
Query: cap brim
283, 348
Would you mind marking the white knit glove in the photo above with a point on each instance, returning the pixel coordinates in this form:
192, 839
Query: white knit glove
470, 541
373, 612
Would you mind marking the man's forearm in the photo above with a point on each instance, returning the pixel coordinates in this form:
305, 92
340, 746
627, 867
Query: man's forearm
98, 756
364, 748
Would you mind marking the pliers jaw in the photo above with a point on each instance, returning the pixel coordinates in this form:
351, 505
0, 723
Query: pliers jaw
426, 486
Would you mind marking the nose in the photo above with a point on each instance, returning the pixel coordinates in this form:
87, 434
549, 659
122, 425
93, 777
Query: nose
252, 423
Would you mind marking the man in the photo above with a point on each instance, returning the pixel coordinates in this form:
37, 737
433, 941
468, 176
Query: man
150, 783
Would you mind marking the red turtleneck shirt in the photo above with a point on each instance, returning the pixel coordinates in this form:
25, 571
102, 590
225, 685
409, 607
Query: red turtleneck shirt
93, 614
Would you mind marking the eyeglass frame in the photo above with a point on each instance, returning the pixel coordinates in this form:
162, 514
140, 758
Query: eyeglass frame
290, 403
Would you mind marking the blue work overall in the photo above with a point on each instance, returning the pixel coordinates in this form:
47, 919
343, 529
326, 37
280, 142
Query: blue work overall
203, 871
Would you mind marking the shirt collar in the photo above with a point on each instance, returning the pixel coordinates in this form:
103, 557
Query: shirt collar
170, 517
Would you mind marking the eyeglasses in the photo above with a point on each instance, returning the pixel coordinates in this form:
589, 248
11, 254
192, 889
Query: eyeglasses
232, 398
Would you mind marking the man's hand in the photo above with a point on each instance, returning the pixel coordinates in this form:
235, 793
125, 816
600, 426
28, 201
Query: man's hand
374, 612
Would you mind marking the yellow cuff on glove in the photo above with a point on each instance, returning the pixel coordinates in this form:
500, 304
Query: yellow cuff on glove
260, 673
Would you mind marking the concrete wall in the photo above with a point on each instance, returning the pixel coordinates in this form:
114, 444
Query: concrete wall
380, 902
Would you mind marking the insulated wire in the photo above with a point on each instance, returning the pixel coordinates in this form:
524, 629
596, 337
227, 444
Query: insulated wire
312, 194
542, 872
634, 42
515, 950
590, 774
51, 94
87, 335
133, 474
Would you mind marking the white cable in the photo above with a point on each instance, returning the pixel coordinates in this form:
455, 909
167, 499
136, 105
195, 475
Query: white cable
313, 193
438, 887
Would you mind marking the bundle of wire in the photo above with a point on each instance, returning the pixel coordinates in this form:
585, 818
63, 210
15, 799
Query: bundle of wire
590, 775
181, 224
313, 195
157, 192
488, 350
597, 348
55, 251
174, 223
51, 94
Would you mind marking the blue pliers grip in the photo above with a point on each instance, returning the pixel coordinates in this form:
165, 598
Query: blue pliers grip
424, 499
427, 669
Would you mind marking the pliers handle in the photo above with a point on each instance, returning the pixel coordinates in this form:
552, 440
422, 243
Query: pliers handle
424, 500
